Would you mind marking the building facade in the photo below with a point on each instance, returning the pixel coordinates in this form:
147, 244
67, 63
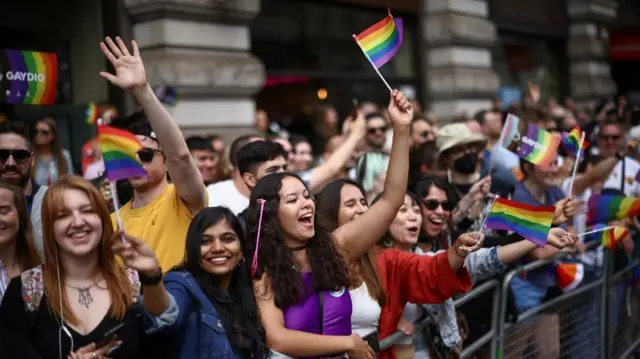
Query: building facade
226, 56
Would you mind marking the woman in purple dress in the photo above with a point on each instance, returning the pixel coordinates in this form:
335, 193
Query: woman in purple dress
301, 279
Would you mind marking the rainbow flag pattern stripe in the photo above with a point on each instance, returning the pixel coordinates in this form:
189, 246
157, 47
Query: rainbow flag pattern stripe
538, 146
120, 153
611, 237
509, 131
31, 77
605, 208
92, 113
531, 222
571, 141
381, 41
569, 275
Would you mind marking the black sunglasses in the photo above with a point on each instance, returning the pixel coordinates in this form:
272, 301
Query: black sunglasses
372, 130
146, 154
432, 204
20, 156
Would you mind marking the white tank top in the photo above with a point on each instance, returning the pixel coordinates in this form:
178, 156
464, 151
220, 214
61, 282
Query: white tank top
366, 311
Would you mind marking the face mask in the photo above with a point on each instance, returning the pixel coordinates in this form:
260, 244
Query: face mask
466, 164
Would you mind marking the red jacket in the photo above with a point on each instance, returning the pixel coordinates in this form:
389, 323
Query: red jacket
413, 278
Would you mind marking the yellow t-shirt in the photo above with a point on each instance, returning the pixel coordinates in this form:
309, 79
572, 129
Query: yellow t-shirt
162, 223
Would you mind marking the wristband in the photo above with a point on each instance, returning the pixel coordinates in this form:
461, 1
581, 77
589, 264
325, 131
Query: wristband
151, 280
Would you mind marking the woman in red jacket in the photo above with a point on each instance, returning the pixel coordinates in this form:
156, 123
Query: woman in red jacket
383, 281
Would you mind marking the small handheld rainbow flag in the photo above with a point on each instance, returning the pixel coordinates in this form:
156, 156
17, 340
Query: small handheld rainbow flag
571, 141
531, 222
610, 237
569, 275
538, 146
381, 41
605, 208
120, 153
93, 112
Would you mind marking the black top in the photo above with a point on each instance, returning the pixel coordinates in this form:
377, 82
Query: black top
13, 346
42, 328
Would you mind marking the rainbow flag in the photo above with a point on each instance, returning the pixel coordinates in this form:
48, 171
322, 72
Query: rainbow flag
531, 222
605, 208
611, 237
30, 77
538, 146
509, 131
571, 141
569, 275
93, 112
120, 153
381, 41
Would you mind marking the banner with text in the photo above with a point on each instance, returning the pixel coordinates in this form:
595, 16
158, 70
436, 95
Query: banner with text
28, 77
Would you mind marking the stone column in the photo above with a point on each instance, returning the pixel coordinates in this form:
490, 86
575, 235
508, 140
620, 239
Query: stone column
588, 49
202, 47
458, 36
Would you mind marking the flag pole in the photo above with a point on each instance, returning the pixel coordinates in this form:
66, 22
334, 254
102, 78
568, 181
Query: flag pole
372, 64
596, 231
575, 166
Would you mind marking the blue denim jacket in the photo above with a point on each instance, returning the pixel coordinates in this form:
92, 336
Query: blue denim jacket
194, 319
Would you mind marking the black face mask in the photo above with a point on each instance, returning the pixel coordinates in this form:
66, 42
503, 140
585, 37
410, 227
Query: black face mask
466, 164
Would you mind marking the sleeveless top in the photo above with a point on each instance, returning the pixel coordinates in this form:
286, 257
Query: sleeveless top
304, 316
366, 314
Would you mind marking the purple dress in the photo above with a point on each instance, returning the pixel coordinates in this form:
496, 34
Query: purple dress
304, 316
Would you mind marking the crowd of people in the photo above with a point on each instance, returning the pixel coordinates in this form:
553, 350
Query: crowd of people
296, 243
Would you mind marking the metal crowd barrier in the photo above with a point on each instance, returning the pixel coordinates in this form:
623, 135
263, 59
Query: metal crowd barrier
598, 320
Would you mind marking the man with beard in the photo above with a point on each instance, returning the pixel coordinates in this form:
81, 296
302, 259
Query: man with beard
16, 161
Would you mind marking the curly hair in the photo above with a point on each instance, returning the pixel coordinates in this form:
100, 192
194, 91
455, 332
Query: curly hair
276, 260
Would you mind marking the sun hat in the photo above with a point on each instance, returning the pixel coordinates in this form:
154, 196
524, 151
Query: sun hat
457, 134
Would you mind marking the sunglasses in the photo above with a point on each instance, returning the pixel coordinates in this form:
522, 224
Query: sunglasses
20, 156
432, 205
373, 130
146, 154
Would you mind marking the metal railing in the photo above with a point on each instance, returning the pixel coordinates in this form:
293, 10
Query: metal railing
599, 319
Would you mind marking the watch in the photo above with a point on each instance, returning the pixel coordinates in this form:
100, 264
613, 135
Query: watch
151, 280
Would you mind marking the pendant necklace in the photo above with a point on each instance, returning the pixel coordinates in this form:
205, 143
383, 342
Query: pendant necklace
84, 294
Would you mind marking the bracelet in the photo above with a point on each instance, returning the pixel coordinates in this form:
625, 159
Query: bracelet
151, 280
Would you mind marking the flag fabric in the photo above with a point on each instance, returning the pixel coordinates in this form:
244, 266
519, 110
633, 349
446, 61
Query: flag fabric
638, 176
538, 146
381, 41
168, 95
571, 141
92, 113
510, 131
569, 275
531, 222
610, 237
605, 208
120, 153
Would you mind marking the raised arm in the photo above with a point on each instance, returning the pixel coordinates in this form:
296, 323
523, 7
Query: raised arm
358, 236
599, 172
130, 75
324, 173
295, 343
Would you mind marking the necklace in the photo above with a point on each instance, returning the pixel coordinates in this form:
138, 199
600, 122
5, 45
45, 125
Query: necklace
84, 294
299, 248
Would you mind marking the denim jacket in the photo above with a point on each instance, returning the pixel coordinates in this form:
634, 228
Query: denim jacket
481, 264
193, 318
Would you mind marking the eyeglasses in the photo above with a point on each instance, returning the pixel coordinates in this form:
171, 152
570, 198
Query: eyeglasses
146, 154
432, 205
20, 156
373, 130
425, 134
42, 132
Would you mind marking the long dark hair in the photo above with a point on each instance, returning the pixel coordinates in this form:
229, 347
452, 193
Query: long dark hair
328, 202
56, 148
276, 260
237, 309
25, 254
387, 239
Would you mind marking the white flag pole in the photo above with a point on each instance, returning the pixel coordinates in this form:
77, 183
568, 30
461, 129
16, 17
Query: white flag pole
575, 165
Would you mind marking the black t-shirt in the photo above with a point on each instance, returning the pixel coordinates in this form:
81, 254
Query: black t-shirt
41, 329
13, 346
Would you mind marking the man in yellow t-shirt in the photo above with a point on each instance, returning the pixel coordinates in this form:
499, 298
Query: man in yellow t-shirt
159, 213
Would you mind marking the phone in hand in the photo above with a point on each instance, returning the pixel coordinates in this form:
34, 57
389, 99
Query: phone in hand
373, 341
109, 335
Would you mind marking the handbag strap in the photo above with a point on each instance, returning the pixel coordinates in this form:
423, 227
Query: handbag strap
320, 313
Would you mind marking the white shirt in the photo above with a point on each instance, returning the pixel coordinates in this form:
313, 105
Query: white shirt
593, 257
226, 194
366, 311
631, 186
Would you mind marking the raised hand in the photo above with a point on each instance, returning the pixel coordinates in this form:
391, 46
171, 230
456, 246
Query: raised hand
560, 239
135, 253
129, 68
566, 209
91, 352
469, 242
400, 109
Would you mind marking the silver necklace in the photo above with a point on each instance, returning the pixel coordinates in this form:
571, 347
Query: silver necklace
84, 294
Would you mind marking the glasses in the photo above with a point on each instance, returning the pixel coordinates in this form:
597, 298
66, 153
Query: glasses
432, 205
425, 134
146, 154
20, 156
373, 130
42, 132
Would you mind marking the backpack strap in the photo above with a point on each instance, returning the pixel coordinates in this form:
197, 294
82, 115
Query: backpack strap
32, 289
